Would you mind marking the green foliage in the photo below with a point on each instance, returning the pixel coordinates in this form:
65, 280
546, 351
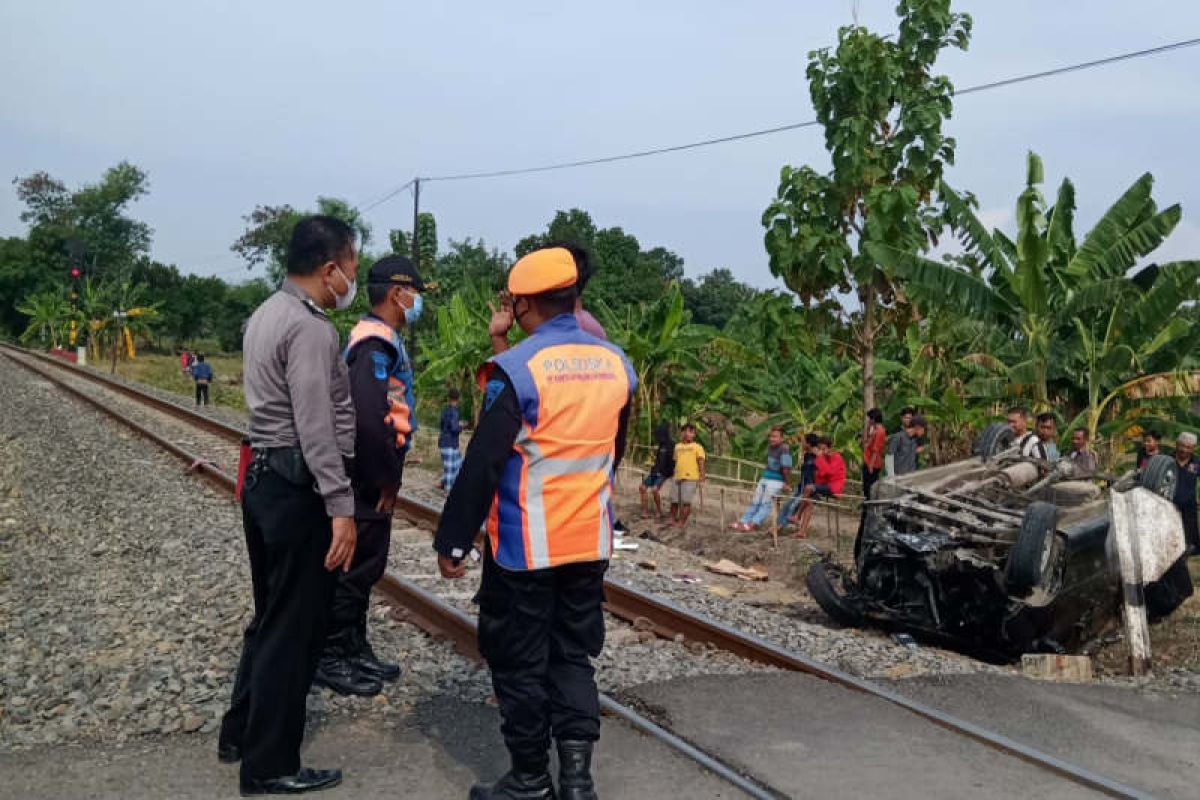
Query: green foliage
716, 297
49, 314
624, 275
882, 108
269, 229
94, 215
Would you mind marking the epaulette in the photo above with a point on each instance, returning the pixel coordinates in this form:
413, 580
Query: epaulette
311, 305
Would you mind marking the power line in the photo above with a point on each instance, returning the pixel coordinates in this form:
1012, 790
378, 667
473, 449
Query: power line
587, 162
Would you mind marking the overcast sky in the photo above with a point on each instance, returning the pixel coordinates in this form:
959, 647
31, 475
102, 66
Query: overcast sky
231, 104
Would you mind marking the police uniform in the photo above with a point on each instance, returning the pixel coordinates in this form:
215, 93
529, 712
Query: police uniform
539, 470
302, 436
381, 385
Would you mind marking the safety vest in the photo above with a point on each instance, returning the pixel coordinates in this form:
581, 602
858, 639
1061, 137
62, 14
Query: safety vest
398, 373
553, 503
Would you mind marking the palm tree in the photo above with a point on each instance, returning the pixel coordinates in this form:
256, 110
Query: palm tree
1025, 284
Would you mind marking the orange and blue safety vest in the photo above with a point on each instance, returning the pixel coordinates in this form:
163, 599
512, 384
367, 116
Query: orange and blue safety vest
398, 372
553, 505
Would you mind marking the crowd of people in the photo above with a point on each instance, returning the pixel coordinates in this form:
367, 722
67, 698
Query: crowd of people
820, 471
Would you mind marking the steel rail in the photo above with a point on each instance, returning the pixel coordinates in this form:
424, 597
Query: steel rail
659, 615
422, 608
668, 620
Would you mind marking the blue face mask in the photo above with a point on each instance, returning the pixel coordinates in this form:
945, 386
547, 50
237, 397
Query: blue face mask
411, 315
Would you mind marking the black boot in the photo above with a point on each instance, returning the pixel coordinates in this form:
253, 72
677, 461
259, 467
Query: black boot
368, 663
336, 671
516, 785
575, 770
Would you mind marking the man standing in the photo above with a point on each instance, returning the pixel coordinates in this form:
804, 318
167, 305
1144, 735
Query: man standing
1185, 488
539, 469
202, 374
448, 432
302, 436
902, 446
874, 443
1083, 458
1025, 439
1151, 442
1046, 446
381, 385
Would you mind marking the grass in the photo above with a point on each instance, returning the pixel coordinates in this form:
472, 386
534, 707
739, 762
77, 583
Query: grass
163, 372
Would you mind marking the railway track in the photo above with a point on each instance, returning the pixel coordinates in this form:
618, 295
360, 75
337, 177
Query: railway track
173, 427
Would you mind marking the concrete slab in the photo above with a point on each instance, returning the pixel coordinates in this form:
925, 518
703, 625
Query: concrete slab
1144, 739
809, 738
440, 750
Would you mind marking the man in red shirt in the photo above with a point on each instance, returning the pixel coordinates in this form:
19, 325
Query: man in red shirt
874, 443
830, 481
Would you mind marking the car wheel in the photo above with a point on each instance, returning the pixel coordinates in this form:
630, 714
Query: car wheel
996, 438
1030, 562
840, 608
1160, 476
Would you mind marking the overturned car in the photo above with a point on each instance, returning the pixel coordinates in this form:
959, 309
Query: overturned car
1001, 554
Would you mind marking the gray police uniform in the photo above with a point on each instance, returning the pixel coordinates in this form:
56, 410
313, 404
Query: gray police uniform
302, 432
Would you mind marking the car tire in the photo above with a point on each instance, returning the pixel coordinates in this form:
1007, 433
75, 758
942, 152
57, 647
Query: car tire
1030, 563
996, 438
1160, 476
841, 609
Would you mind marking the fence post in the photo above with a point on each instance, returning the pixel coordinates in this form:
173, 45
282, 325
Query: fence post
775, 522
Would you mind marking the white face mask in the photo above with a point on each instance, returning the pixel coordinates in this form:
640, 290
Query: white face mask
343, 301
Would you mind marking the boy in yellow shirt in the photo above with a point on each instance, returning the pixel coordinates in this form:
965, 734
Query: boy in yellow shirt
689, 473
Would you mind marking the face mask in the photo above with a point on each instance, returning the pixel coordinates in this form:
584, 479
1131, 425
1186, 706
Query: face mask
343, 301
411, 315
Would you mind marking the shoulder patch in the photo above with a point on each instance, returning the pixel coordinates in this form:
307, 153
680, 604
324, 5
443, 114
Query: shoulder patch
382, 367
491, 392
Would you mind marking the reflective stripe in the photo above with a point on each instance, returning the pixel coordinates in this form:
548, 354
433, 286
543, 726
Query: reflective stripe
534, 502
604, 542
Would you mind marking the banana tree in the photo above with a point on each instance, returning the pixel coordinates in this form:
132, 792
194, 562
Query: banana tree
460, 346
1024, 284
49, 315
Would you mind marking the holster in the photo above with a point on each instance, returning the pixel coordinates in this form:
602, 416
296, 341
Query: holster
245, 459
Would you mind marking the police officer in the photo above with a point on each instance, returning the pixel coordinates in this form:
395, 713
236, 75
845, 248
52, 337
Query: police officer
381, 386
539, 468
297, 506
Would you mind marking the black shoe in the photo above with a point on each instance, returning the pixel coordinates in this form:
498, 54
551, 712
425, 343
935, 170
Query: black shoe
306, 780
516, 786
575, 770
369, 664
228, 753
338, 674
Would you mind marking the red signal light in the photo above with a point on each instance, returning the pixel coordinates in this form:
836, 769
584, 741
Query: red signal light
75, 272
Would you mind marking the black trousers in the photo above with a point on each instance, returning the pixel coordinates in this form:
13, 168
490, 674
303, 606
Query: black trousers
287, 536
201, 392
352, 598
538, 631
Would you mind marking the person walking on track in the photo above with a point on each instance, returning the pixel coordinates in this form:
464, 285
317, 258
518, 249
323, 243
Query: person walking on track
202, 374
381, 386
539, 469
297, 506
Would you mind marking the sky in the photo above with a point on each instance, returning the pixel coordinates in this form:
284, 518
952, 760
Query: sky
229, 105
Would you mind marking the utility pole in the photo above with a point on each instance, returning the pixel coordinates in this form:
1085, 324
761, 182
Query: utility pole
416, 258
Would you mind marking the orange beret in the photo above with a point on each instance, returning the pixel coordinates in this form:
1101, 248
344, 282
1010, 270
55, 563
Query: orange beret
543, 271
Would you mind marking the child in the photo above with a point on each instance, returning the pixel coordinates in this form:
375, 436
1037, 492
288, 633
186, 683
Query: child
662, 469
451, 427
689, 473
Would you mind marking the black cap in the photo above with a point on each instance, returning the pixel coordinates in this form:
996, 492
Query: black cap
397, 271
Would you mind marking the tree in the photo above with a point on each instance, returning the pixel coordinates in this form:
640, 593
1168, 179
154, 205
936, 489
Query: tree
49, 315
269, 230
93, 214
1037, 285
427, 239
716, 297
623, 274
882, 108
